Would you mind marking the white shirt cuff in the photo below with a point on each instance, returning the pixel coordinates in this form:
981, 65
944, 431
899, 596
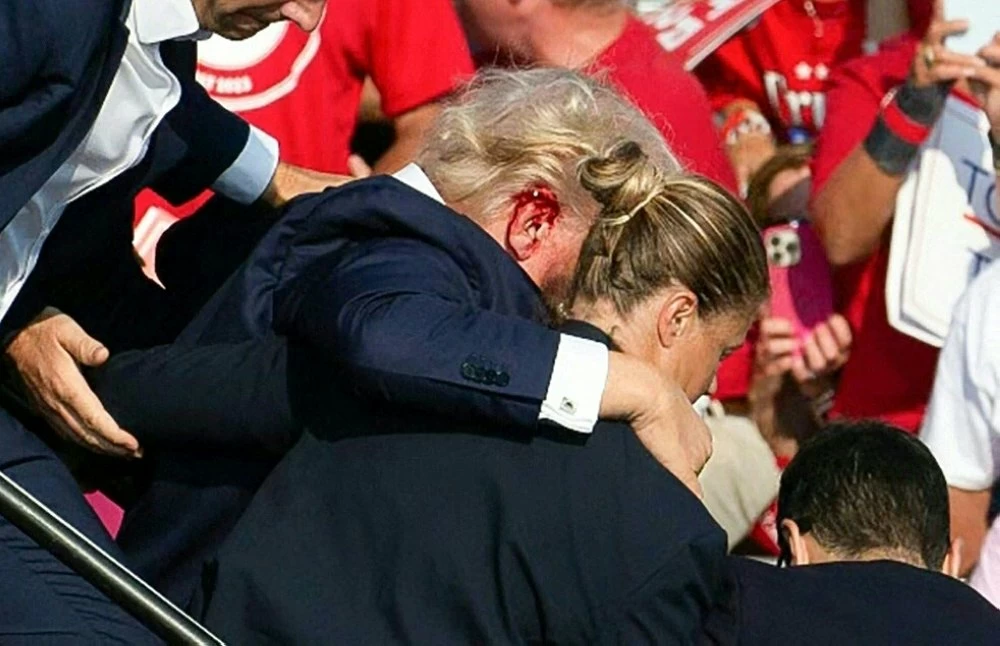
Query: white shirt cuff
579, 377
251, 173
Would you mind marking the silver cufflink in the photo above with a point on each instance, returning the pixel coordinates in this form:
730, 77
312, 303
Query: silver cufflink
567, 406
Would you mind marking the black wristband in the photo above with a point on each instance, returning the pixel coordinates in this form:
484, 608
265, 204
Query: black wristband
888, 151
922, 104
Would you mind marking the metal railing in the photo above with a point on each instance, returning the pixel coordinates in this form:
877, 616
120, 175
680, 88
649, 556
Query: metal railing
99, 568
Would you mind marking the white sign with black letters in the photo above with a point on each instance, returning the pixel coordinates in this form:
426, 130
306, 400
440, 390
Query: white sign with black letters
946, 224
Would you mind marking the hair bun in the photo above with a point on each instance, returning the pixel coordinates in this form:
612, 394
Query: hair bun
621, 180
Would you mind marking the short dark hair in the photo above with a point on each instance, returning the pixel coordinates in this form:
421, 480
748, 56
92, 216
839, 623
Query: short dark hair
867, 486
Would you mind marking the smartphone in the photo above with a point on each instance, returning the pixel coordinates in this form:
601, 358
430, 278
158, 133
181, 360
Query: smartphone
801, 286
984, 23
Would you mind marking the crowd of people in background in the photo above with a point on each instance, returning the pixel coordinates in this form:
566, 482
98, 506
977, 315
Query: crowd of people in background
418, 321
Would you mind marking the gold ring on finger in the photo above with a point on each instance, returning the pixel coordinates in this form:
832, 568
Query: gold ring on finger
929, 55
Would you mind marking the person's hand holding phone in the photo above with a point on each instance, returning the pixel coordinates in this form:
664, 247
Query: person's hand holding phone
823, 351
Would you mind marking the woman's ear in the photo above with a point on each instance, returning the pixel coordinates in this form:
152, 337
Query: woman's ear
796, 542
678, 315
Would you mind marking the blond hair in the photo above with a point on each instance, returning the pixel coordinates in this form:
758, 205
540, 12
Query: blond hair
509, 131
676, 230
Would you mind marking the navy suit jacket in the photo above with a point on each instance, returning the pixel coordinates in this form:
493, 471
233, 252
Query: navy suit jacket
386, 293
421, 530
58, 61
879, 603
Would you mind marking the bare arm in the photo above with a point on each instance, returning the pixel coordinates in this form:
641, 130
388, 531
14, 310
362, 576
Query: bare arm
851, 216
854, 207
968, 522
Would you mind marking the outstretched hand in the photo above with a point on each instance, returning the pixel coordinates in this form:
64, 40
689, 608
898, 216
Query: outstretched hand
48, 354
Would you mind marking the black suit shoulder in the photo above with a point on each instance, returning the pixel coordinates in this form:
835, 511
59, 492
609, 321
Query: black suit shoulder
56, 62
877, 603
471, 536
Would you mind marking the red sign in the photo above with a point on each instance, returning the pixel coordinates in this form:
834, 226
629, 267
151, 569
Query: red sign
694, 29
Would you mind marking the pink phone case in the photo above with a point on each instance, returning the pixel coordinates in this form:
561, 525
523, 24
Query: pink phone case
801, 288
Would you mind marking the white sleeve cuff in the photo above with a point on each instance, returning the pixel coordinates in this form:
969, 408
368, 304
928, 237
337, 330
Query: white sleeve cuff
251, 173
579, 377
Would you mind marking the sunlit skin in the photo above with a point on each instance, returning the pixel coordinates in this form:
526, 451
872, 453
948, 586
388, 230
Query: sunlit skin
239, 19
540, 235
806, 550
668, 331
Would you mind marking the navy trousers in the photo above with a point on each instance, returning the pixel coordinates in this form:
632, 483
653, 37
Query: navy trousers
41, 600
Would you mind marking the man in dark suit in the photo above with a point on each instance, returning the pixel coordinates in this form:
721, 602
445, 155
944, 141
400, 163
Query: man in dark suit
421, 530
99, 101
863, 518
404, 301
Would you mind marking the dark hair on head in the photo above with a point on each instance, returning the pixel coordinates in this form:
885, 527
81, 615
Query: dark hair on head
867, 487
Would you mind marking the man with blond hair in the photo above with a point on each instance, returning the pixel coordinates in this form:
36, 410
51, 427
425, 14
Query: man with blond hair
426, 291
604, 39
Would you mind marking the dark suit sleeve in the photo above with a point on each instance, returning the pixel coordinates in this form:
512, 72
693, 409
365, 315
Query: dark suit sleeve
212, 138
46, 49
24, 43
237, 397
404, 326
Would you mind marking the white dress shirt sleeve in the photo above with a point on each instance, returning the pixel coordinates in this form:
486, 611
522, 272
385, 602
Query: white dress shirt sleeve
961, 427
579, 377
251, 173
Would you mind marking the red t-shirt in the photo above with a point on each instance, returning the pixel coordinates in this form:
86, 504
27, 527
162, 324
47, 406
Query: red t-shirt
921, 12
669, 96
305, 89
782, 62
889, 375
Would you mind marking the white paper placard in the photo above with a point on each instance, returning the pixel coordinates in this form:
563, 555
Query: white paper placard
946, 226
693, 30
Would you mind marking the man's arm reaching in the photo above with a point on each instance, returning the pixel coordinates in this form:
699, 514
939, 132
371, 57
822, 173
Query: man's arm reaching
241, 397
400, 327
